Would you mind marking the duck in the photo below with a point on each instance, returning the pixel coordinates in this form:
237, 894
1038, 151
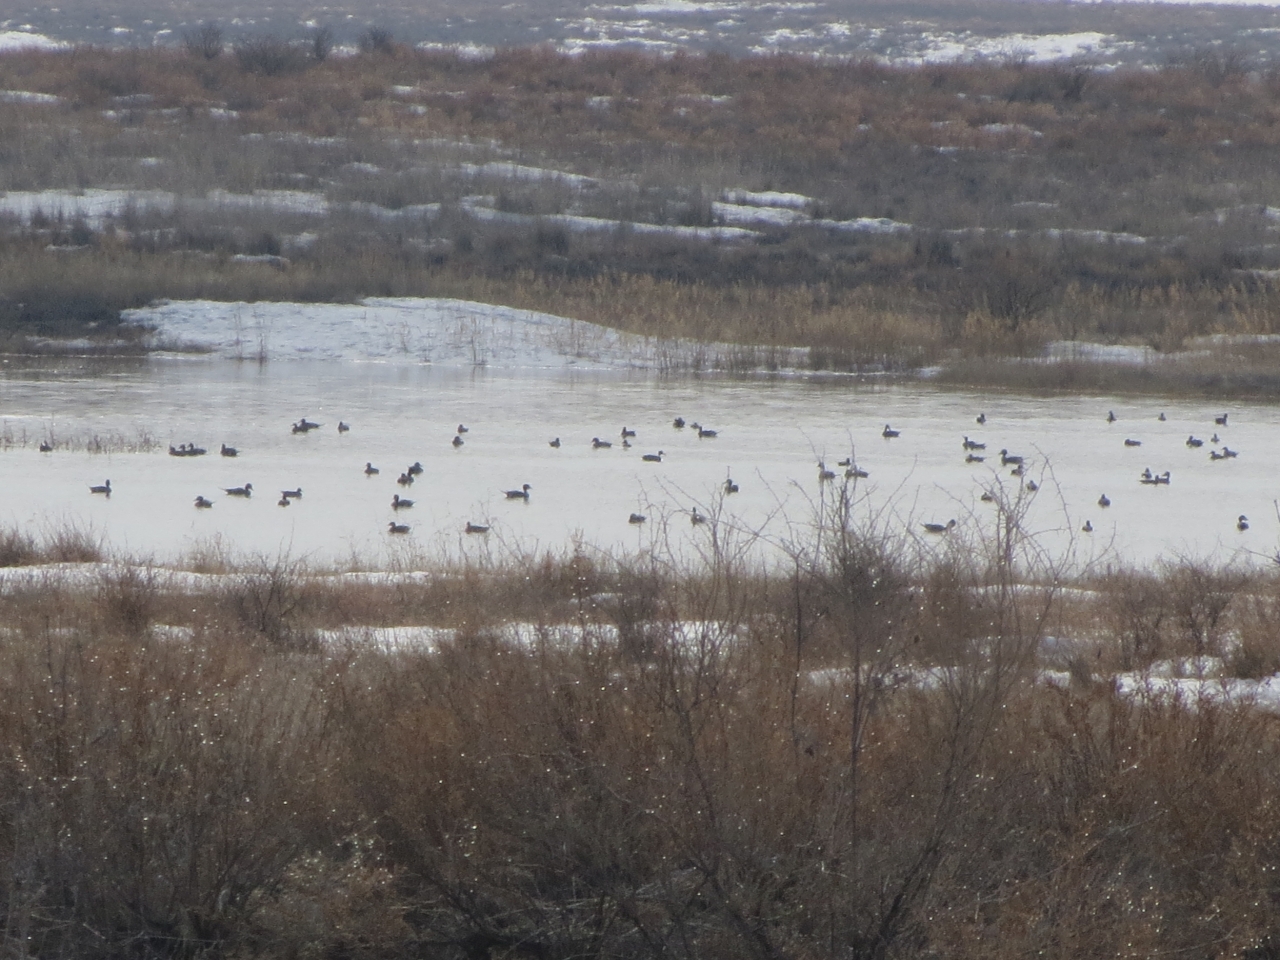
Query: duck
1221, 421
521, 494
627, 433
457, 441
1228, 452
292, 494
1215, 438
476, 527
857, 473
202, 503
229, 451
598, 444
1032, 486
654, 457
1104, 501
889, 433
399, 503
704, 432
1194, 442
554, 444
1162, 417
405, 479
282, 502
982, 419
245, 491
415, 469
988, 497
1088, 526
1215, 455
343, 427
303, 425
1018, 471
1007, 458
46, 446
1164, 478
1242, 523
730, 486
974, 458
1129, 442
462, 429
678, 423
370, 470
824, 474
1111, 416
394, 527
973, 444
637, 518
696, 518
626, 444
939, 527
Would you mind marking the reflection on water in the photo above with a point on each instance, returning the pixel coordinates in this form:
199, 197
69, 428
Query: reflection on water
771, 435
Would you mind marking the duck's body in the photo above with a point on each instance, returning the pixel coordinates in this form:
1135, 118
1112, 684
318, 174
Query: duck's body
555, 444
974, 458
889, 433
1111, 416
342, 427
696, 518
704, 432
370, 470
636, 518
1129, 442
598, 444
457, 441
292, 494
415, 469
973, 444
981, 418
1229, 453
462, 429
939, 527
477, 527
203, 504
1032, 486
521, 494
988, 497
245, 491
1088, 526
1104, 501
627, 433
1007, 458
1194, 442
1242, 523
824, 474
654, 457
394, 527
730, 486
46, 446
857, 473
399, 503
1221, 421
229, 451
405, 479
678, 423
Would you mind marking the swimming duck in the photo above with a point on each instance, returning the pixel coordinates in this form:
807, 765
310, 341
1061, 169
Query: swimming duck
1104, 501
696, 518
598, 444
245, 491
1228, 452
636, 518
857, 473
282, 502
1111, 416
704, 432
521, 494
678, 423
627, 433
292, 494
1193, 442
1162, 417
982, 418
1221, 421
973, 444
414, 469
477, 527
303, 425
555, 444
1088, 526
974, 458
730, 486
988, 497
342, 427
939, 527
1215, 438
1215, 455
1007, 458
654, 457
1132, 443
458, 441
1018, 471
824, 474
399, 503
1032, 486
462, 429
370, 470
889, 433
394, 527
405, 479
202, 502
46, 446
1242, 523
229, 451
626, 444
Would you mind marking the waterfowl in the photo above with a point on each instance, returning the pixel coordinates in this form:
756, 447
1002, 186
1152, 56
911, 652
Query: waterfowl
1221, 421
415, 469
1007, 458
626, 444
477, 527
1088, 526
1162, 417
939, 527
1111, 416
1032, 486
521, 494
1242, 523
857, 473
654, 457
292, 494
636, 518
399, 503
982, 418
462, 429
973, 444
229, 451
678, 423
824, 474
1018, 471
1215, 438
103, 488
1215, 455
245, 491
394, 527
704, 432
303, 425
988, 497
370, 470
1194, 442
405, 479
282, 502
342, 427
598, 444
46, 446
1128, 442
696, 518
730, 486
202, 503
627, 433
974, 458
457, 441
889, 433
1228, 452
1104, 501
846, 462
555, 444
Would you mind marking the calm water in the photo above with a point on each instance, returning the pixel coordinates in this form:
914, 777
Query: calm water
771, 435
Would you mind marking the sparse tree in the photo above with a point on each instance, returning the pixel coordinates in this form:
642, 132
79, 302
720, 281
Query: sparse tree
376, 40
321, 44
205, 41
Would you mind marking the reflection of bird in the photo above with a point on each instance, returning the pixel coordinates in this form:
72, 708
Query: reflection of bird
1242, 523
477, 527
939, 527
103, 488
636, 518
202, 502
394, 527
1104, 501
974, 458
521, 494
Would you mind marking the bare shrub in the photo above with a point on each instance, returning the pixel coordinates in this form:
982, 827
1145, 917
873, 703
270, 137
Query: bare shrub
270, 56
1199, 597
270, 600
205, 41
1137, 608
377, 40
